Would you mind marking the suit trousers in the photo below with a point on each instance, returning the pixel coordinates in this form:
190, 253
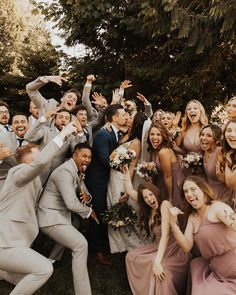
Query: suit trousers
25, 268
68, 236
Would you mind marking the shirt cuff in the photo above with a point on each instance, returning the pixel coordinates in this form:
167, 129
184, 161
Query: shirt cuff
42, 119
58, 141
44, 79
90, 211
88, 85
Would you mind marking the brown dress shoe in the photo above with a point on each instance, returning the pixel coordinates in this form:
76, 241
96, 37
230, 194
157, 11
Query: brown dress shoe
100, 257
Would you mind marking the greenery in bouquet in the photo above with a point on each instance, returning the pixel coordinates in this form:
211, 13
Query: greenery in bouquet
146, 170
121, 156
121, 216
194, 160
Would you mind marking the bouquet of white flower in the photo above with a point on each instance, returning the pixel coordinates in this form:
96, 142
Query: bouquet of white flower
146, 170
193, 160
122, 155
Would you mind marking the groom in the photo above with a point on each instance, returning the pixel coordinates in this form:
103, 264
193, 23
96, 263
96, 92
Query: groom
97, 176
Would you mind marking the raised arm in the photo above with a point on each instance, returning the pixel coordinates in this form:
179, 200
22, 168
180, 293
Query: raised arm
129, 189
147, 105
26, 172
185, 240
33, 87
165, 232
91, 111
165, 160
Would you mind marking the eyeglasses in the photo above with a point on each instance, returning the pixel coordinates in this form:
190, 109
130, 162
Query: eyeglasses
4, 112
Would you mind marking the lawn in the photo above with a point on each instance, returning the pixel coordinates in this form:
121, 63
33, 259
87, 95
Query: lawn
105, 280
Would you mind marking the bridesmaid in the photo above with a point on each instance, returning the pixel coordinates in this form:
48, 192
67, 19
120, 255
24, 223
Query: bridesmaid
160, 267
212, 225
169, 170
210, 139
229, 151
171, 122
231, 108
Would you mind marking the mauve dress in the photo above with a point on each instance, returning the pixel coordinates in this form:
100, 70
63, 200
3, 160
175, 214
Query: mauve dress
222, 192
139, 263
177, 180
188, 147
215, 272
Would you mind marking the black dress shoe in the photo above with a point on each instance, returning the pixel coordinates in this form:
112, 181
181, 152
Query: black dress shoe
100, 257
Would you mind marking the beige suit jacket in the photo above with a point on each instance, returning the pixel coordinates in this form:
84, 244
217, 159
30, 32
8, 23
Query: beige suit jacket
18, 197
9, 140
59, 197
41, 135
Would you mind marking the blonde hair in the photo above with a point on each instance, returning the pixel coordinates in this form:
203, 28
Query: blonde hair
203, 118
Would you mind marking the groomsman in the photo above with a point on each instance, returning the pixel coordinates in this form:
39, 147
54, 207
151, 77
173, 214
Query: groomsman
105, 141
4, 117
41, 134
10, 141
59, 198
19, 264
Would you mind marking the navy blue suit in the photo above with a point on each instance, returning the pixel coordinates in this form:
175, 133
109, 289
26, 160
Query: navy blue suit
97, 177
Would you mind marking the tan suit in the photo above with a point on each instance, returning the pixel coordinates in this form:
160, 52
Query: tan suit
41, 134
9, 140
19, 226
54, 215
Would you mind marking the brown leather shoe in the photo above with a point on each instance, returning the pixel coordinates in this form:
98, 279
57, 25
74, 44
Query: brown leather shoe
100, 257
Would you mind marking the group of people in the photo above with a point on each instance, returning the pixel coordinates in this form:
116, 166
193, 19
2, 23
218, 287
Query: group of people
57, 162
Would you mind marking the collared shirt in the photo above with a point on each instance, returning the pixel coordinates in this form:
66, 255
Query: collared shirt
5, 128
116, 132
89, 194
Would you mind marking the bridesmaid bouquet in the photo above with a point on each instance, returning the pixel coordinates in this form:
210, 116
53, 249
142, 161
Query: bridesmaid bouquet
146, 170
120, 215
193, 160
122, 155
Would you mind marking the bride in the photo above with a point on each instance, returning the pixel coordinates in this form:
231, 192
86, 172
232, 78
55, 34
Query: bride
119, 240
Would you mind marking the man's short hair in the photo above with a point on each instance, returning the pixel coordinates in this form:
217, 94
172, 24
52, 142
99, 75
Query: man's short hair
75, 91
79, 108
63, 110
20, 114
82, 145
23, 150
3, 103
111, 110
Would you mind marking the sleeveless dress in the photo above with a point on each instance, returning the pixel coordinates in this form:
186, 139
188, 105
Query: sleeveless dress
119, 240
139, 263
215, 272
177, 180
222, 192
188, 146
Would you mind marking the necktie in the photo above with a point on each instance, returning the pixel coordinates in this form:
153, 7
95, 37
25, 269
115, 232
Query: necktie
86, 134
6, 128
119, 135
20, 141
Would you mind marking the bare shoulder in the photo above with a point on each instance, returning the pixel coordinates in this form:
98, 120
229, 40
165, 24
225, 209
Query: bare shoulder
166, 204
165, 152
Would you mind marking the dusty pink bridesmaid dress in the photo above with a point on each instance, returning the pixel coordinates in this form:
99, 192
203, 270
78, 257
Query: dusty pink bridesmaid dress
215, 272
175, 263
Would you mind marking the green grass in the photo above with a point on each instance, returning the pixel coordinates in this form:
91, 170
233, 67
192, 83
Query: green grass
105, 280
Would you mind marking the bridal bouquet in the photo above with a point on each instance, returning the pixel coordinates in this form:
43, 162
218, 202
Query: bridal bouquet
146, 170
195, 161
122, 155
121, 215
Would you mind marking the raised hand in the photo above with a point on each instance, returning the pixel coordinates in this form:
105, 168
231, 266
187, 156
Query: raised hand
174, 212
116, 97
4, 152
176, 119
56, 79
99, 99
158, 272
50, 113
126, 84
90, 79
78, 126
141, 97
69, 129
